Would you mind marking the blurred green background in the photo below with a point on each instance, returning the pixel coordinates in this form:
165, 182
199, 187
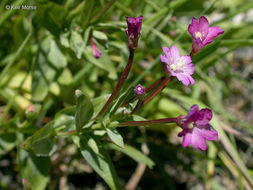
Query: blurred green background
45, 55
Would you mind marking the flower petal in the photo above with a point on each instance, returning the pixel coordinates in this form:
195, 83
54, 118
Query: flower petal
213, 32
183, 78
198, 141
207, 133
192, 115
193, 27
203, 26
187, 140
174, 52
192, 81
164, 59
166, 51
204, 116
186, 59
188, 69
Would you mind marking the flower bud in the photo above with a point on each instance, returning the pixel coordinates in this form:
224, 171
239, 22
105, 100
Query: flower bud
139, 90
95, 50
133, 31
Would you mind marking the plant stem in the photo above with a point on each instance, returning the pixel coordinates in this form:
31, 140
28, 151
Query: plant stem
138, 105
148, 122
158, 90
120, 82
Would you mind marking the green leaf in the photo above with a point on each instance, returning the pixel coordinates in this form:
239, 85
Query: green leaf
84, 110
115, 136
49, 62
41, 143
55, 56
122, 99
77, 44
103, 62
44, 147
99, 35
35, 170
99, 160
65, 119
133, 153
7, 142
64, 39
99, 102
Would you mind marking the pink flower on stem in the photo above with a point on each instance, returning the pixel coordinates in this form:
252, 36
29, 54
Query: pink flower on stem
133, 31
196, 128
95, 50
202, 34
178, 66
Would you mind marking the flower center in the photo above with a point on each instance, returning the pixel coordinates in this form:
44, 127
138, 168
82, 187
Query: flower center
176, 67
191, 125
199, 35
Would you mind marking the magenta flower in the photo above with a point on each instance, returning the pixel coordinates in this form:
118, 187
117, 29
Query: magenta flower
196, 128
178, 66
139, 90
202, 34
95, 50
133, 31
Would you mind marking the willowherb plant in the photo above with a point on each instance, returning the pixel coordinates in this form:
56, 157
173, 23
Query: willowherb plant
196, 129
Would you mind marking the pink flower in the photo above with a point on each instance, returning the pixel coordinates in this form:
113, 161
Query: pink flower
139, 90
196, 128
178, 66
95, 50
202, 34
133, 31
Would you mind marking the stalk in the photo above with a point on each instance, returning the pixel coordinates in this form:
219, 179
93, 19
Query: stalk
120, 83
148, 122
158, 90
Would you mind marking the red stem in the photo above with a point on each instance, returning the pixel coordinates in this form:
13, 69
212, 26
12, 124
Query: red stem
149, 122
119, 84
138, 105
158, 90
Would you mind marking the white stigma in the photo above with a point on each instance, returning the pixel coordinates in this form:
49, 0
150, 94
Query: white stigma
177, 66
199, 35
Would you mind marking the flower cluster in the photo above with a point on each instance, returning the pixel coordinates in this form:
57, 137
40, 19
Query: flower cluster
196, 129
